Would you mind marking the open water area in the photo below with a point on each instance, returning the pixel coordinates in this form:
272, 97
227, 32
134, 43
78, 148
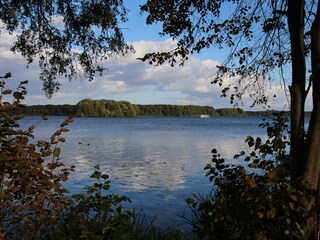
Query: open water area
157, 162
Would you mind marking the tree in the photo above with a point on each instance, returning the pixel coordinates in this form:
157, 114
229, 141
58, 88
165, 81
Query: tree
265, 38
65, 37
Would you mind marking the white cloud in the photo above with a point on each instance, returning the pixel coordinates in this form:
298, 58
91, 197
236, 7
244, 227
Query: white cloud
128, 77
115, 87
57, 21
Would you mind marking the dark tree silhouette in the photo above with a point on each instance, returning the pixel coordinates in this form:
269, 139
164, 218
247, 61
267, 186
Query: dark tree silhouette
65, 37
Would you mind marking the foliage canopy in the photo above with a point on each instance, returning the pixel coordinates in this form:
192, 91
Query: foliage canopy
65, 37
255, 32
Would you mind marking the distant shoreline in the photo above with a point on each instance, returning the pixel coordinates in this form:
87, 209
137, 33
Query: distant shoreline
111, 108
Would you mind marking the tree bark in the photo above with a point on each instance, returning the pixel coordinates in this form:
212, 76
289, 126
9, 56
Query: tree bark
312, 150
297, 89
311, 157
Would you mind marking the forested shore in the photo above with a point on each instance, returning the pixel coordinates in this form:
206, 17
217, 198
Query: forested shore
111, 108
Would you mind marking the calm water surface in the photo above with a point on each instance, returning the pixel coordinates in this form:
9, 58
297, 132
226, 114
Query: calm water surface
156, 161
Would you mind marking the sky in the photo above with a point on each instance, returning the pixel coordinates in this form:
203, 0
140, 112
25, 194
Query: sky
132, 80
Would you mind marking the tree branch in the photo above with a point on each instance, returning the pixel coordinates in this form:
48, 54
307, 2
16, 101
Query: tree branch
280, 12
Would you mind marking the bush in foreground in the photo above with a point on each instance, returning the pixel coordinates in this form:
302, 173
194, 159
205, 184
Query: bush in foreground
31, 195
255, 199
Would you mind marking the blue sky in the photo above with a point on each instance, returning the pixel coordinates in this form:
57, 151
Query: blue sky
132, 80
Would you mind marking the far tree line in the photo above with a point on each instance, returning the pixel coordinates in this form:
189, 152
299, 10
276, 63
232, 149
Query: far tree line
110, 108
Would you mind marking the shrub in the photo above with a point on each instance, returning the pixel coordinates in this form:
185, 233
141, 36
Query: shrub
254, 200
31, 195
95, 214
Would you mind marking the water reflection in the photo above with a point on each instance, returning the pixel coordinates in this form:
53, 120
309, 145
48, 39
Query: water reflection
157, 162
137, 165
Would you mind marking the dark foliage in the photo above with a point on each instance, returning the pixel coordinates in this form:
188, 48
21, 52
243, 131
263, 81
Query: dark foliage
255, 198
66, 37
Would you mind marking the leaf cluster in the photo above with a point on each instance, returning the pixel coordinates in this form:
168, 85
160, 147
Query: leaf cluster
255, 33
96, 214
31, 173
66, 37
255, 199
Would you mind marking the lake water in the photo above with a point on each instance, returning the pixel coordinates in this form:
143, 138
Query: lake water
156, 161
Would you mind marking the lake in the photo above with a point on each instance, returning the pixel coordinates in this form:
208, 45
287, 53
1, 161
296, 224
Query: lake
156, 161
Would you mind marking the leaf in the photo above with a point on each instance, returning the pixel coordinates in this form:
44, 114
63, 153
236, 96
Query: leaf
7, 91
105, 176
24, 82
106, 185
294, 197
190, 201
57, 133
252, 184
272, 213
270, 175
7, 75
96, 175
56, 152
41, 143
260, 215
17, 95
208, 166
63, 177
31, 128
291, 204
15, 189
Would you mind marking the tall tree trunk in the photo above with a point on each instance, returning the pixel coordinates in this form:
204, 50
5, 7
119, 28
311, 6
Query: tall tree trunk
311, 157
312, 150
297, 89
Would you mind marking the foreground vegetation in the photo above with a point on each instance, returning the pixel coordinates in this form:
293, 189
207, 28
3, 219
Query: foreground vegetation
255, 199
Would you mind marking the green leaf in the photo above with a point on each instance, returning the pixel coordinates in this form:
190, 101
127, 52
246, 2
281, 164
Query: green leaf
105, 176
291, 204
96, 175
294, 197
208, 166
190, 200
